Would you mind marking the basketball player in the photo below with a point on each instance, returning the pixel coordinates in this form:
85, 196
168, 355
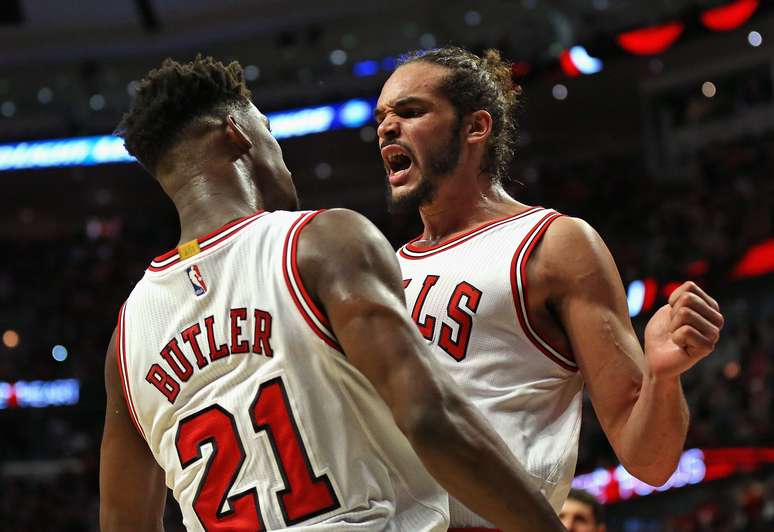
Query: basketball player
521, 304
268, 367
581, 512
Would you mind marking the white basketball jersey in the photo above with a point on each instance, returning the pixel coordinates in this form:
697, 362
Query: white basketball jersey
236, 381
468, 298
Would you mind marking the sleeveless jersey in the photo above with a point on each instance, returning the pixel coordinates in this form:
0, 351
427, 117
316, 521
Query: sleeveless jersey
468, 297
236, 381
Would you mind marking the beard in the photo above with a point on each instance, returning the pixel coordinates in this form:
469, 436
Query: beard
440, 162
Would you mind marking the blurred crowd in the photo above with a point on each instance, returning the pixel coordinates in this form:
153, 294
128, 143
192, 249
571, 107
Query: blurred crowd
68, 292
662, 225
743, 507
729, 393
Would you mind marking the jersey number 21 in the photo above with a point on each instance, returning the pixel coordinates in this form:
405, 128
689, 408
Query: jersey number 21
305, 495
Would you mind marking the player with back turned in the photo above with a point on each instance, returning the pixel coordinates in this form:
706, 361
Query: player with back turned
521, 304
267, 372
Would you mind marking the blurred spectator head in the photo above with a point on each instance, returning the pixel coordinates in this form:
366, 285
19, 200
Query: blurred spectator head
582, 513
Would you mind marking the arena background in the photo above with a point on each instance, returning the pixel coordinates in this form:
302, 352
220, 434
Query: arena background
668, 151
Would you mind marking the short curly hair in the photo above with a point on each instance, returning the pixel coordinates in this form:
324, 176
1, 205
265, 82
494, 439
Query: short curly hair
171, 97
476, 83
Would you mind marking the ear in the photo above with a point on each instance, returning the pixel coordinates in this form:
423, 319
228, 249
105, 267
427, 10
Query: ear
479, 127
236, 135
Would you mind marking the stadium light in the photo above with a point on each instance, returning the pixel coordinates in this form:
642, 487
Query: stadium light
696, 466
39, 394
577, 60
730, 16
366, 68
88, 151
641, 295
650, 41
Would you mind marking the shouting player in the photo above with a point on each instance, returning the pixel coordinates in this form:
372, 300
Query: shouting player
267, 371
521, 304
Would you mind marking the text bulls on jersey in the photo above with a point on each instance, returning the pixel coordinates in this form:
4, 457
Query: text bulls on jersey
461, 308
198, 345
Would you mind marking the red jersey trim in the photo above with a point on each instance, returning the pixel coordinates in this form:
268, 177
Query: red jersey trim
313, 316
412, 252
122, 369
172, 257
519, 291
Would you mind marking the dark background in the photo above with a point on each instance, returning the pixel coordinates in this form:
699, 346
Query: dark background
678, 184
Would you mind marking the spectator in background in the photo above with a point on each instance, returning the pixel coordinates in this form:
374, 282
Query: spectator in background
582, 513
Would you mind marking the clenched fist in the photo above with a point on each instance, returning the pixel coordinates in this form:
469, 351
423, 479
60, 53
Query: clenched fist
682, 332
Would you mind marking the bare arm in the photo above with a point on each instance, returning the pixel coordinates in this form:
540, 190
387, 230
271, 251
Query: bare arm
353, 272
637, 395
131, 483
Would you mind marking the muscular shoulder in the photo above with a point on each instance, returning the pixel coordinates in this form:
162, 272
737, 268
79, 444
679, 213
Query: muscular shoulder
340, 236
572, 235
337, 225
339, 245
572, 252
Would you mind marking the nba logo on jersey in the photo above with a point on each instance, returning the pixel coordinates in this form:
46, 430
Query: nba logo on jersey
197, 281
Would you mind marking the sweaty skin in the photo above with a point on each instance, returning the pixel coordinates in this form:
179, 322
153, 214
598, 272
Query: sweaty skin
577, 305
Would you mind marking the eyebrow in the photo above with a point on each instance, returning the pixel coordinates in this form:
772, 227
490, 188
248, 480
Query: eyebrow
408, 100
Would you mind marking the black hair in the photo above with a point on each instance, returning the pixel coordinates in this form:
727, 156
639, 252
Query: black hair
588, 499
171, 97
476, 83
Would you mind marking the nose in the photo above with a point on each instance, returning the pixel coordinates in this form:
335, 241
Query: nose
389, 128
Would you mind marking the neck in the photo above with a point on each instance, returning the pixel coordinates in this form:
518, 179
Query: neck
204, 203
461, 203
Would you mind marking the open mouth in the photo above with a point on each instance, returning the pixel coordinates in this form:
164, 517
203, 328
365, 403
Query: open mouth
397, 162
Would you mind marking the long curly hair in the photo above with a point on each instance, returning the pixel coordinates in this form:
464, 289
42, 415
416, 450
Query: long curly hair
476, 83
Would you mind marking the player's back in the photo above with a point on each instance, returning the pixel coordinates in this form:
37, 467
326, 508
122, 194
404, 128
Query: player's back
235, 379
